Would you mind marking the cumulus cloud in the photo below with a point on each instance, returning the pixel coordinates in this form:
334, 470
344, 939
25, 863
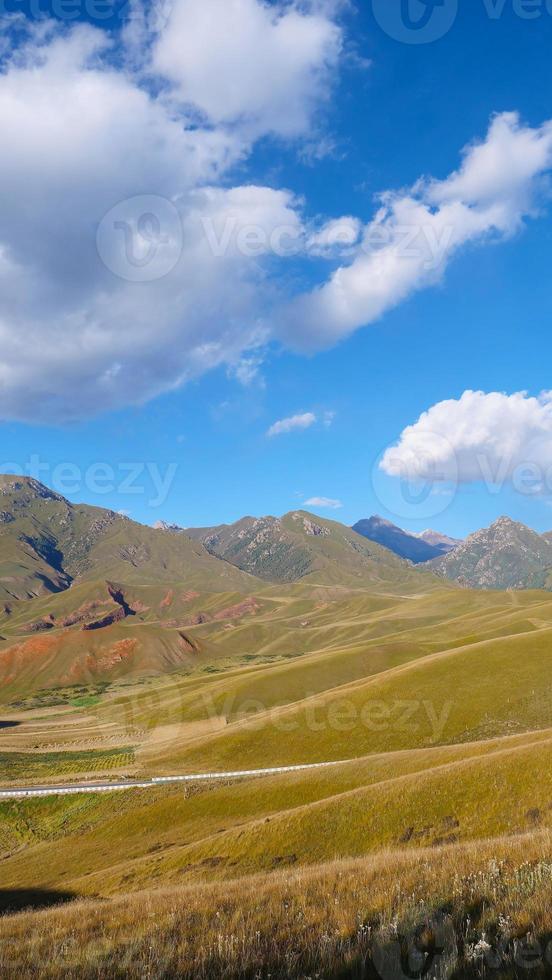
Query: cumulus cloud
263, 66
326, 503
490, 437
291, 424
336, 235
414, 235
130, 264
98, 160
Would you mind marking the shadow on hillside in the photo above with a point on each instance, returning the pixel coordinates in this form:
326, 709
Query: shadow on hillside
16, 900
9, 724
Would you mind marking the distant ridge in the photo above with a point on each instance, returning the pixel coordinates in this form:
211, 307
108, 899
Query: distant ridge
506, 555
300, 545
415, 549
442, 542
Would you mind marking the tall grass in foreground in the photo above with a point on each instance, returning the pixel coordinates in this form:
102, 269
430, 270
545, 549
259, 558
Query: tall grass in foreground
476, 910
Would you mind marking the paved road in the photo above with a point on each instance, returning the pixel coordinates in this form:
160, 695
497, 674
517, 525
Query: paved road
17, 792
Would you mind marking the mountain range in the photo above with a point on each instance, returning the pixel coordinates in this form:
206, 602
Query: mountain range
89, 596
300, 546
48, 545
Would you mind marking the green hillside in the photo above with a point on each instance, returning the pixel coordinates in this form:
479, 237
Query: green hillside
46, 543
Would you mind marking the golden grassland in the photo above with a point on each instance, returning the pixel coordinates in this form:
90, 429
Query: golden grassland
459, 911
438, 707
106, 844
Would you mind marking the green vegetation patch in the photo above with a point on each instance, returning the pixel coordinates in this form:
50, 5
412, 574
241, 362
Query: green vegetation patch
25, 765
77, 696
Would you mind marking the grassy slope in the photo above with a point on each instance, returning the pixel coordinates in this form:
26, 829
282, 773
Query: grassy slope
474, 690
274, 626
340, 919
440, 699
348, 651
105, 844
483, 774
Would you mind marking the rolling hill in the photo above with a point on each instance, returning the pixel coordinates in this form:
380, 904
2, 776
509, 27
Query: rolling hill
91, 597
434, 701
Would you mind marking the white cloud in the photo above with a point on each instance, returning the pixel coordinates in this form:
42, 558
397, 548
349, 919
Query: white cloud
263, 66
415, 234
291, 424
337, 235
499, 170
246, 370
490, 437
325, 502
76, 338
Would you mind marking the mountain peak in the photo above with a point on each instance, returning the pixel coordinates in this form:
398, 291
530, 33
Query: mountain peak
402, 543
13, 484
164, 526
505, 519
442, 542
380, 521
505, 555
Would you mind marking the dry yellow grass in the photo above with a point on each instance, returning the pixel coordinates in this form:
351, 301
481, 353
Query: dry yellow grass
478, 664
485, 905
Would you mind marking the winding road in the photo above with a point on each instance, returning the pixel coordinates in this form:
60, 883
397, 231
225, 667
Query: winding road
72, 789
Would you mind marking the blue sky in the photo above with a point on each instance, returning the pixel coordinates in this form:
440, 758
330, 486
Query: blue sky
382, 114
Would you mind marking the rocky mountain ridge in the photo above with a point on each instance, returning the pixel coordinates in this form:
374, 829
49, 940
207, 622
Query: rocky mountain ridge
506, 555
300, 545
